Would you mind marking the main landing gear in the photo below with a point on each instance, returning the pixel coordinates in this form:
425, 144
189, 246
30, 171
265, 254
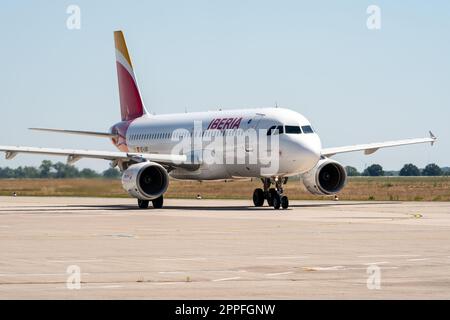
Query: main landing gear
274, 196
157, 203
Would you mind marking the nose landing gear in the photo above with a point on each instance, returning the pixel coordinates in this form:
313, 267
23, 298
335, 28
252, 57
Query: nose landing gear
274, 196
258, 197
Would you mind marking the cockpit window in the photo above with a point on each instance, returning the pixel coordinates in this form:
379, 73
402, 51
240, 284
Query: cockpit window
293, 130
307, 129
270, 130
275, 130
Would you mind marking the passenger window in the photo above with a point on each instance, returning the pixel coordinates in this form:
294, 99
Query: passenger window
307, 129
293, 130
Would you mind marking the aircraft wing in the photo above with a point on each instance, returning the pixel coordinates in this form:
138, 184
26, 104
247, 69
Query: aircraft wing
373, 147
75, 155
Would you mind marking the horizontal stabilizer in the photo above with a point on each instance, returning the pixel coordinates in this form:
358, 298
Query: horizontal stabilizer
78, 132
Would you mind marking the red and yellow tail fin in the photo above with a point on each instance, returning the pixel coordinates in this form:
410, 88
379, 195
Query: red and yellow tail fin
131, 104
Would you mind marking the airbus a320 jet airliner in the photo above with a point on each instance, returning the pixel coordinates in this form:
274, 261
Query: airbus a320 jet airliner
146, 143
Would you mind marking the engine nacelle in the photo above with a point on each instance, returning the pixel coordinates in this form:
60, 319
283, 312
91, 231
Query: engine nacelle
145, 180
328, 177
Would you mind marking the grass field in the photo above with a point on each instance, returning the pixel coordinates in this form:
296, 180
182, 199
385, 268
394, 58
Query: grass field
358, 188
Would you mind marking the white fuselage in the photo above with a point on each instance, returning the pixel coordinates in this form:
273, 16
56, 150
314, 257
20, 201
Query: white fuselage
298, 151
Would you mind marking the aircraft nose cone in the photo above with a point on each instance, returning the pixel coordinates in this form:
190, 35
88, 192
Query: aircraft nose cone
307, 153
299, 154
312, 151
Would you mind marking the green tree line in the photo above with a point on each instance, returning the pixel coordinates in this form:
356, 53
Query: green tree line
408, 170
58, 170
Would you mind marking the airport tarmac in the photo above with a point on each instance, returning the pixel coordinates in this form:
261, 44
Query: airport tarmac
211, 249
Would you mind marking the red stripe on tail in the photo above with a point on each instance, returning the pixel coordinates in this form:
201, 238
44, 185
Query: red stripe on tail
131, 106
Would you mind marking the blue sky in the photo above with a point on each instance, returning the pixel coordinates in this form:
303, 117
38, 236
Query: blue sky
317, 57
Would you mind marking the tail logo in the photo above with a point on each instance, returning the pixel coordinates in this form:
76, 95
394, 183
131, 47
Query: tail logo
131, 105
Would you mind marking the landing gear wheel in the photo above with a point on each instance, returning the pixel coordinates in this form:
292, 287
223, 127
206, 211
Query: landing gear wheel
284, 202
276, 201
143, 204
258, 197
270, 196
158, 202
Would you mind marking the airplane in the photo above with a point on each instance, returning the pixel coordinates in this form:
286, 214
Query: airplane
146, 143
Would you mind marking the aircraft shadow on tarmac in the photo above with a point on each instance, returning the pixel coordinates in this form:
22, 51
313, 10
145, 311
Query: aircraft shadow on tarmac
67, 208
252, 208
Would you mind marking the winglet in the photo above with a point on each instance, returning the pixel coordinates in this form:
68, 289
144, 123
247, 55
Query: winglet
432, 136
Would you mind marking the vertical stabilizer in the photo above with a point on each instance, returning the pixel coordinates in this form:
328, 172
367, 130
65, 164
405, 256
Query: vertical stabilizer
131, 104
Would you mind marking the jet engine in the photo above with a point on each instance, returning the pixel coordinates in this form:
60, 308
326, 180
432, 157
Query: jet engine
145, 180
328, 177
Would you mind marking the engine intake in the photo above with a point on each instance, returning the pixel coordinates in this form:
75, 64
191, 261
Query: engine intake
328, 177
145, 180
